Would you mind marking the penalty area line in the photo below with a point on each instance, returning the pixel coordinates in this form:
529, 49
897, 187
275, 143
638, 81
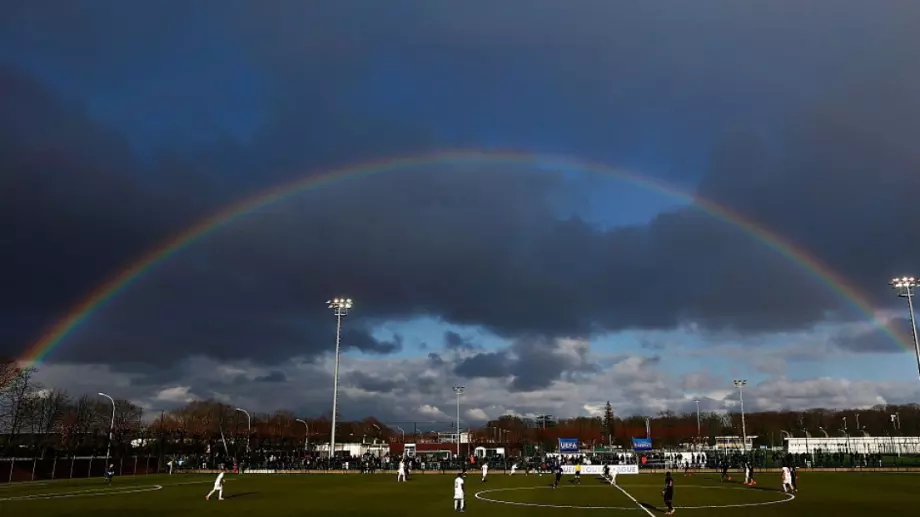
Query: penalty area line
633, 499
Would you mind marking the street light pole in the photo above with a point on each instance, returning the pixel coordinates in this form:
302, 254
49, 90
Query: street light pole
740, 384
459, 391
905, 288
108, 449
401, 430
248, 427
648, 428
306, 433
340, 307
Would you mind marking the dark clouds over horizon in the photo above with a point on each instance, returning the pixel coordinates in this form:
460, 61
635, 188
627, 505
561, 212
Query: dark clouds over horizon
123, 123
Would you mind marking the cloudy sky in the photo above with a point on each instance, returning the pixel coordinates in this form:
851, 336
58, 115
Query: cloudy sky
542, 287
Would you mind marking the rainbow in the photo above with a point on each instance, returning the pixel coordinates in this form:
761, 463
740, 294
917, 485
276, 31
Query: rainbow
79, 313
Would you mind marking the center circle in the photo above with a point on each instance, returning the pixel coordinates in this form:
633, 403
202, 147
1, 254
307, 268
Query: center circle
483, 496
547, 505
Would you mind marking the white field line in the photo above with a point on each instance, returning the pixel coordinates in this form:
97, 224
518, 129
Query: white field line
96, 492
640, 505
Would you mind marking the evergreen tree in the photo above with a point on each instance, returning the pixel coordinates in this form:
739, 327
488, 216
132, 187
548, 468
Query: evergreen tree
609, 422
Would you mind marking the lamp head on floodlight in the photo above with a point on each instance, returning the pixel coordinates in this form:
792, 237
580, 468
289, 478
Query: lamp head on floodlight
904, 285
340, 306
740, 383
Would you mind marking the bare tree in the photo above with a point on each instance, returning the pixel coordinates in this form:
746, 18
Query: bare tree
15, 403
46, 417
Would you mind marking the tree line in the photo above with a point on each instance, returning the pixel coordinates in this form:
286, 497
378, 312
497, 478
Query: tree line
36, 421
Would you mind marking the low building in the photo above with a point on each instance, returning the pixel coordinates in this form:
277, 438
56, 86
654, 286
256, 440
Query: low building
894, 445
734, 443
355, 449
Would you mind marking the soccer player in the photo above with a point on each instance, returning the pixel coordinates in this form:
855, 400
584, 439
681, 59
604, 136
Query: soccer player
749, 475
218, 487
513, 469
668, 493
109, 473
795, 484
459, 503
401, 472
606, 473
558, 476
788, 485
613, 476
577, 473
485, 470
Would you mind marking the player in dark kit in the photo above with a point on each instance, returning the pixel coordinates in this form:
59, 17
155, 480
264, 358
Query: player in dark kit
668, 493
724, 472
558, 476
109, 473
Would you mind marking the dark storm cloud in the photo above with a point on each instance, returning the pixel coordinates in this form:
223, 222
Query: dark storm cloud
368, 382
807, 130
454, 341
273, 377
531, 363
875, 340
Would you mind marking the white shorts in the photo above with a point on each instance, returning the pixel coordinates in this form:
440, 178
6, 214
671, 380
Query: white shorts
458, 495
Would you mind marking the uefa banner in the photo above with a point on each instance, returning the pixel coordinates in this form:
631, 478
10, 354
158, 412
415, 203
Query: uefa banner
642, 444
568, 445
596, 470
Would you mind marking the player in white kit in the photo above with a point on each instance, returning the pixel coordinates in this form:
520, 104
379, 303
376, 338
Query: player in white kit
485, 471
401, 472
459, 502
787, 480
613, 476
513, 469
218, 487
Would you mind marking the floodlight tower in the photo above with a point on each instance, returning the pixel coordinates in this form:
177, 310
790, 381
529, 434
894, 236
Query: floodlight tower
340, 307
740, 384
905, 286
459, 391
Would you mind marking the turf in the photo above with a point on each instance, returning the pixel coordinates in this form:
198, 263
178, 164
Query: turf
833, 494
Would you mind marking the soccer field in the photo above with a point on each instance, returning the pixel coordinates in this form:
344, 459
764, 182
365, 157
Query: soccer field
837, 494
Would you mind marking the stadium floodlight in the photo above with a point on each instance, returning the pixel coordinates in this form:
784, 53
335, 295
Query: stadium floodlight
306, 433
248, 427
340, 307
740, 384
905, 287
459, 391
108, 449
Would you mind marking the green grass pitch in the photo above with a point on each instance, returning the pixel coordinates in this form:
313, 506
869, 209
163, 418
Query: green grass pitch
831, 494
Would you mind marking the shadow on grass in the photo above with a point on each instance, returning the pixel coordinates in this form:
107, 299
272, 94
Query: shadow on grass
765, 489
650, 507
241, 494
